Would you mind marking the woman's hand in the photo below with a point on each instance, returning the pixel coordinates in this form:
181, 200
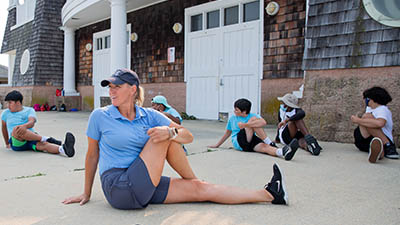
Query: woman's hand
159, 134
81, 199
281, 124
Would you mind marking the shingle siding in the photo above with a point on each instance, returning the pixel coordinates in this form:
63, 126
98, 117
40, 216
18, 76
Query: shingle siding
344, 36
45, 42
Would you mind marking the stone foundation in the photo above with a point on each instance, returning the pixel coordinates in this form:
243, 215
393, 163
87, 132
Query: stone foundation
332, 96
270, 90
32, 95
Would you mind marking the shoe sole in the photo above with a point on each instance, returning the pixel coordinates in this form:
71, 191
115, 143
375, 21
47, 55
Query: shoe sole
69, 144
293, 146
285, 196
375, 150
392, 156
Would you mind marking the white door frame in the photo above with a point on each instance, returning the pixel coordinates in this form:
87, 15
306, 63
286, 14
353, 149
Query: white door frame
221, 4
100, 75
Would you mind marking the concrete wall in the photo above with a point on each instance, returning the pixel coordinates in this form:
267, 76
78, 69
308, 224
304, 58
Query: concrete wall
332, 96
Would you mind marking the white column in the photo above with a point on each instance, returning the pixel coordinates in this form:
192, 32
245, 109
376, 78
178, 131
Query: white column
69, 62
118, 35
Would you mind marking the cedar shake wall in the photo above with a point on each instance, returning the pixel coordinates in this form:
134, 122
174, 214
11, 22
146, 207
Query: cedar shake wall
84, 60
343, 35
284, 40
149, 53
45, 42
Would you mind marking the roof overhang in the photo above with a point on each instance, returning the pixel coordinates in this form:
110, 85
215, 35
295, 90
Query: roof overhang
79, 13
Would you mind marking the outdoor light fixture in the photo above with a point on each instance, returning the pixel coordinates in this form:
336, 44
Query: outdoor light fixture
134, 37
177, 28
88, 47
272, 8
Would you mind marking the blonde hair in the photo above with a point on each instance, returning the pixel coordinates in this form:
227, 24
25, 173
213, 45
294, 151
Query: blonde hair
139, 99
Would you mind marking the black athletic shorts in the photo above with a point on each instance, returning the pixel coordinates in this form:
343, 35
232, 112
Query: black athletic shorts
286, 138
247, 146
361, 142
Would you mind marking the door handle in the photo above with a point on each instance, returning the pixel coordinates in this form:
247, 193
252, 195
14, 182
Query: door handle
221, 83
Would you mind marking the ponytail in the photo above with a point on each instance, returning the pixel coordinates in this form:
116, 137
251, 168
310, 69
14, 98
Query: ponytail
139, 96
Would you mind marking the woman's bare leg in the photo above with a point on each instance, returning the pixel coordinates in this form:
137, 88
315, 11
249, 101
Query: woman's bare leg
178, 160
181, 190
155, 154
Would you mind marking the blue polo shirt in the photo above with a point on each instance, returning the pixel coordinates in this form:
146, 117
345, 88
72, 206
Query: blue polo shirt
14, 119
174, 113
121, 140
232, 125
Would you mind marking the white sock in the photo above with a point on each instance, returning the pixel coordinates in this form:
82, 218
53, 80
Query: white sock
267, 141
61, 150
279, 152
44, 138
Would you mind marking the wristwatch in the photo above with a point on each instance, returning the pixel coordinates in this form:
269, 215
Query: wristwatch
175, 132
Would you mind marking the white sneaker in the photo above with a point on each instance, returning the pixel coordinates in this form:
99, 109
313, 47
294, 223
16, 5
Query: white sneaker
375, 150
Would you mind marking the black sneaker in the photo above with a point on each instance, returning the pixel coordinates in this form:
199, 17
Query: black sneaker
53, 141
68, 145
276, 187
390, 151
289, 150
312, 144
273, 144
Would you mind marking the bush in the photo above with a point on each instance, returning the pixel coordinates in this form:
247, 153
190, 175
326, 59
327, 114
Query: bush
187, 117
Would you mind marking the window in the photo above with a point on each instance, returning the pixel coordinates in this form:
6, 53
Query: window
99, 43
231, 15
251, 11
107, 41
196, 22
386, 12
25, 12
213, 19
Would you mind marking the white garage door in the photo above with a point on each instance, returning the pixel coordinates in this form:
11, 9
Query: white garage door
101, 61
223, 56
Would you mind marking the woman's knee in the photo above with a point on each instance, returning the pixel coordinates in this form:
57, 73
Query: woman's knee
201, 190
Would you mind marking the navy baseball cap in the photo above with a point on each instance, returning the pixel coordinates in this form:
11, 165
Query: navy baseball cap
122, 76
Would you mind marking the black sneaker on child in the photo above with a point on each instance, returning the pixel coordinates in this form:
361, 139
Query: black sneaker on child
312, 144
68, 145
289, 150
276, 187
53, 141
390, 151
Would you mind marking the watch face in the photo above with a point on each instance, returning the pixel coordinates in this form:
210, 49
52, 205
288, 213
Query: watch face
176, 130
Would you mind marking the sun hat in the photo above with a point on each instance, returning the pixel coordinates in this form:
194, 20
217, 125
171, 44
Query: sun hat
289, 100
159, 99
122, 76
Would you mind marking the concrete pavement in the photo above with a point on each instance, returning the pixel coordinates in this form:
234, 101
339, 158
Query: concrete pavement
337, 187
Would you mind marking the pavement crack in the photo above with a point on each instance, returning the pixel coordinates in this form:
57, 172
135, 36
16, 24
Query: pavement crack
23, 177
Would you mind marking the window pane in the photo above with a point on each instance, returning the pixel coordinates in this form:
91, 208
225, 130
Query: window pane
251, 11
196, 23
99, 43
231, 15
213, 19
107, 42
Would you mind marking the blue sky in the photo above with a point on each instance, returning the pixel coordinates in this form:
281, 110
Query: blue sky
3, 21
